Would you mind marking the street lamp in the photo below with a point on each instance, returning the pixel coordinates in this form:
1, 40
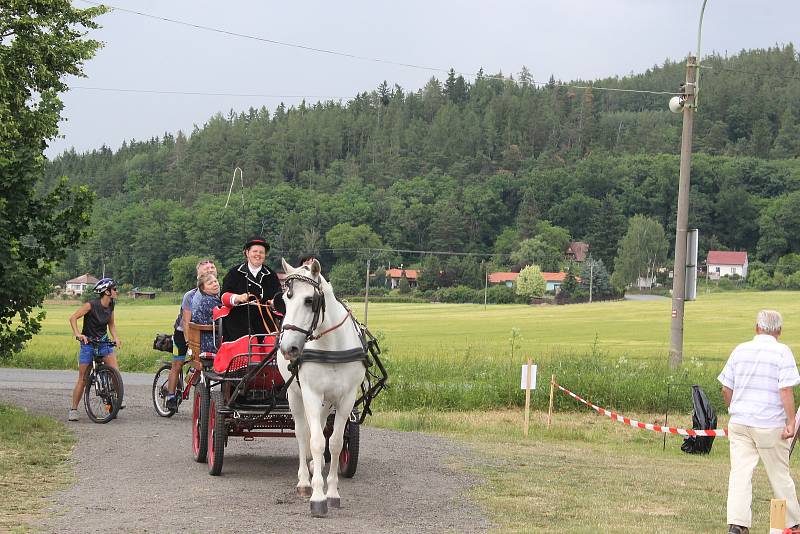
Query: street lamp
687, 104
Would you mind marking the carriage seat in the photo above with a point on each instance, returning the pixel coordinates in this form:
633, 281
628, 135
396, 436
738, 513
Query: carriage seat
193, 332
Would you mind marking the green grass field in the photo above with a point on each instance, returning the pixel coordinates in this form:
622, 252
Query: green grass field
714, 324
459, 356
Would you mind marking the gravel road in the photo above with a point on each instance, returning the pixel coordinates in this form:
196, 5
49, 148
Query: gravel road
136, 474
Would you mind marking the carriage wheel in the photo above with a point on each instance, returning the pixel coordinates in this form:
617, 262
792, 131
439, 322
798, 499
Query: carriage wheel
103, 392
160, 383
216, 434
348, 458
200, 423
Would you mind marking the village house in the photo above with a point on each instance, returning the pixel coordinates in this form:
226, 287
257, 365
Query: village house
394, 276
552, 281
577, 251
78, 285
724, 263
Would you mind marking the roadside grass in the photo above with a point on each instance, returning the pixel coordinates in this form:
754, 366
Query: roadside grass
587, 473
33, 464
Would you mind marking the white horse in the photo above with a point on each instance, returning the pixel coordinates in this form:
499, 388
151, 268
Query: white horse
321, 330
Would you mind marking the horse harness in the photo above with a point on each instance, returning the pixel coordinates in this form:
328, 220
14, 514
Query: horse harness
317, 306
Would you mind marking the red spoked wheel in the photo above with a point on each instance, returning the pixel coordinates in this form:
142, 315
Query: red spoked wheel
216, 434
348, 458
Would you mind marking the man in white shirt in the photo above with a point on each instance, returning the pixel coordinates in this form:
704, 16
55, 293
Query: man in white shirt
757, 384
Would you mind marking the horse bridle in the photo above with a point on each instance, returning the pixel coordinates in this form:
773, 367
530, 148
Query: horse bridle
317, 305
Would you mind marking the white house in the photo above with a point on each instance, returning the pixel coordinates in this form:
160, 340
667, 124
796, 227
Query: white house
723, 263
552, 281
77, 286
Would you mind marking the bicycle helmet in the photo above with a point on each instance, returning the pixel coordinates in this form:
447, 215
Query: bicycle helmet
104, 285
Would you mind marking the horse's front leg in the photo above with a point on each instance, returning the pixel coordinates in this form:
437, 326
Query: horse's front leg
335, 443
312, 402
301, 432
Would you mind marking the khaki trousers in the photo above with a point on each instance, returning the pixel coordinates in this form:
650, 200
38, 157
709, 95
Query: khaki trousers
748, 444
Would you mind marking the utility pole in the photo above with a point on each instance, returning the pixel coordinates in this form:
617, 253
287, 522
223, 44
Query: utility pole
591, 278
366, 293
681, 229
485, 284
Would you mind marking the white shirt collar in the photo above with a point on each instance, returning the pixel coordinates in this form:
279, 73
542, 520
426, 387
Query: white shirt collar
253, 270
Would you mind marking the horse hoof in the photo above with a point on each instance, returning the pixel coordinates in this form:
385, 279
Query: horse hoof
319, 508
334, 502
304, 491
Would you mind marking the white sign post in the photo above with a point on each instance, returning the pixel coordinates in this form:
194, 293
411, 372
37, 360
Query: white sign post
528, 383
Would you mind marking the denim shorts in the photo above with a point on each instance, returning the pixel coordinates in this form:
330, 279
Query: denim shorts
87, 352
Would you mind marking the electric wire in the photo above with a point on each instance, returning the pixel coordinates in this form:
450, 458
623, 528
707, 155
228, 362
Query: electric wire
368, 58
201, 93
756, 74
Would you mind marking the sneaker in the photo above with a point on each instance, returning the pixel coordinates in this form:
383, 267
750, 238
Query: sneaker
736, 529
72, 415
171, 402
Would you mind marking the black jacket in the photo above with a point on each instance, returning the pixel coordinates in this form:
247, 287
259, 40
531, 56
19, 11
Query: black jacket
245, 319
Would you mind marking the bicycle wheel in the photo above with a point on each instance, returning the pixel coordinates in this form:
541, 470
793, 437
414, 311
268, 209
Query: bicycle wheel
200, 423
160, 383
103, 393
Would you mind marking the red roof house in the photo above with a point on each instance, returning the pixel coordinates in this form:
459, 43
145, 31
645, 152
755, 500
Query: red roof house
726, 263
394, 276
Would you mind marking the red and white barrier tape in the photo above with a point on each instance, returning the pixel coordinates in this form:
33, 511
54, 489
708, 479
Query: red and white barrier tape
720, 433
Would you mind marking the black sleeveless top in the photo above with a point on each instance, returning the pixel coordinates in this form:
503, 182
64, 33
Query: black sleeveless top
95, 323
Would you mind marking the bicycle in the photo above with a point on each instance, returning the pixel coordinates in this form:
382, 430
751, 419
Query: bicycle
161, 381
103, 389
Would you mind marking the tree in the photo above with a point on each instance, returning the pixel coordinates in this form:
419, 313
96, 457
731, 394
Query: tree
595, 272
641, 251
346, 278
530, 282
605, 230
183, 271
41, 42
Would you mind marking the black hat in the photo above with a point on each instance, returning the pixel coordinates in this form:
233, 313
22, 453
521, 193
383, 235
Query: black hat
256, 240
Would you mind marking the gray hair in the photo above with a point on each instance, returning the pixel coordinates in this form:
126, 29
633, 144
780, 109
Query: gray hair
769, 321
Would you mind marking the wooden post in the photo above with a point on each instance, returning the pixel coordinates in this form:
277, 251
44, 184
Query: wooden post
529, 370
550, 408
777, 515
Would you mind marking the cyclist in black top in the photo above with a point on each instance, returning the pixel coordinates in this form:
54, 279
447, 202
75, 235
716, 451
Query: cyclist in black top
98, 319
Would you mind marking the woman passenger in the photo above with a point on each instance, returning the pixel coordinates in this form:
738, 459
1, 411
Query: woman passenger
203, 308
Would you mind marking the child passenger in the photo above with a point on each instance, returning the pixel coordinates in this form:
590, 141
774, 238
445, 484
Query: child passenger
203, 307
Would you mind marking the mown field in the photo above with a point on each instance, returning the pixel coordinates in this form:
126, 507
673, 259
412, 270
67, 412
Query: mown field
462, 356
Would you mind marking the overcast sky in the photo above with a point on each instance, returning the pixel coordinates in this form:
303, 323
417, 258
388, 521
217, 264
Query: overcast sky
573, 39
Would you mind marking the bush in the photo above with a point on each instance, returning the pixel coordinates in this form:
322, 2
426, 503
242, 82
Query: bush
501, 294
459, 295
760, 279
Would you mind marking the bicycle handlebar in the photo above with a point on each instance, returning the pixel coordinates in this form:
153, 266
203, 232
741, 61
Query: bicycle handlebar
98, 341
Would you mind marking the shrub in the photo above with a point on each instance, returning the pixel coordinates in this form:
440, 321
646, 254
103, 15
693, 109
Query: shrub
501, 294
459, 295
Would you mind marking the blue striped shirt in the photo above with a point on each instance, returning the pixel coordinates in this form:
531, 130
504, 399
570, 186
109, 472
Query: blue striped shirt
756, 371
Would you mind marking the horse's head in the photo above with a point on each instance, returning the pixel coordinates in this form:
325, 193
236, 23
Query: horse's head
305, 306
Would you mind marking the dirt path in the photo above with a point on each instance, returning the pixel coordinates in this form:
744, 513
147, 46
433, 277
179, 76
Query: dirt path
136, 474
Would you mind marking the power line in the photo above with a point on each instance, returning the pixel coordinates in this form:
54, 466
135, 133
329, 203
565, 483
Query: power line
264, 39
757, 74
200, 93
364, 58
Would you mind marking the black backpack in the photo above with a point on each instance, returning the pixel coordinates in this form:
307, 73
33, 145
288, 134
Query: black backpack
703, 418
163, 342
